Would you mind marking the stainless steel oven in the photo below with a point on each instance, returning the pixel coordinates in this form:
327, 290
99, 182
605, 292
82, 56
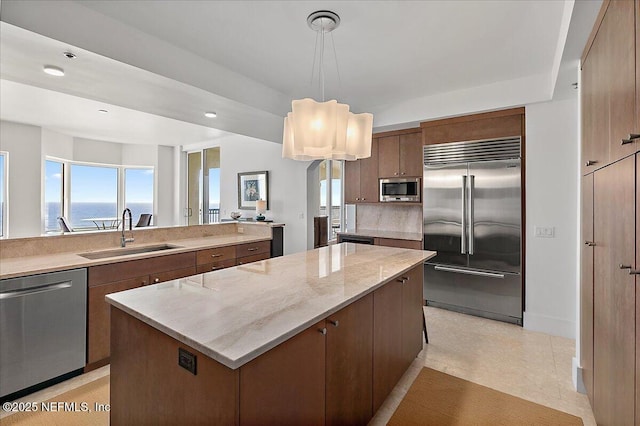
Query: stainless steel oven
400, 190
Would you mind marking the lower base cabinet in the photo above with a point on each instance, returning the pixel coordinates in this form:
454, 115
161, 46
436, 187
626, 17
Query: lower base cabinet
336, 372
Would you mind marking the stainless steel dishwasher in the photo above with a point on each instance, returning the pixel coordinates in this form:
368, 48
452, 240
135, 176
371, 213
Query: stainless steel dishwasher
42, 328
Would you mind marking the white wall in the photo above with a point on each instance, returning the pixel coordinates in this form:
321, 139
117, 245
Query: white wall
28, 146
22, 142
552, 184
287, 185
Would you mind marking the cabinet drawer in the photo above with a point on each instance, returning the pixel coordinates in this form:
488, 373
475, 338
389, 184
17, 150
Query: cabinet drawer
253, 258
251, 249
390, 242
214, 266
172, 275
215, 255
103, 274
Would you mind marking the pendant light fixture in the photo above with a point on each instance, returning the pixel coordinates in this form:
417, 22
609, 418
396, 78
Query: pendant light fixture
325, 130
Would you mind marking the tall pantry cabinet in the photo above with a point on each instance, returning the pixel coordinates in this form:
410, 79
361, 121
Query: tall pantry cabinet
610, 261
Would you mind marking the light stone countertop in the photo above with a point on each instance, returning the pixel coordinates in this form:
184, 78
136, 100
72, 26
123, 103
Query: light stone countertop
396, 235
235, 315
29, 265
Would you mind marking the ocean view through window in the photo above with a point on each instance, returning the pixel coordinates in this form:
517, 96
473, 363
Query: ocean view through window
92, 196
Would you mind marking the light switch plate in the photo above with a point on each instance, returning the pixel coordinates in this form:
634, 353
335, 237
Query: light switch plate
544, 231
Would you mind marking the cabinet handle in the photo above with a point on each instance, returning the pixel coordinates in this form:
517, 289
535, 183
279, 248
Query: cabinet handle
632, 137
589, 243
625, 266
590, 163
334, 323
252, 249
634, 271
156, 280
216, 255
403, 173
323, 330
395, 174
213, 268
402, 280
357, 199
363, 199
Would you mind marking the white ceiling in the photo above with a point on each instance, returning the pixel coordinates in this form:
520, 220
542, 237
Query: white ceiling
247, 59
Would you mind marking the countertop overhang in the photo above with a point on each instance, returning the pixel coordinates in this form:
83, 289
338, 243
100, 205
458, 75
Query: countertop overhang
237, 314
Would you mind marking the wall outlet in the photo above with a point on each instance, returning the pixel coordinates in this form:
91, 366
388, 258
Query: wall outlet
240, 230
544, 231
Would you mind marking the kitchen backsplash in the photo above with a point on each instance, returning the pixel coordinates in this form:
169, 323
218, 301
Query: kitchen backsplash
387, 217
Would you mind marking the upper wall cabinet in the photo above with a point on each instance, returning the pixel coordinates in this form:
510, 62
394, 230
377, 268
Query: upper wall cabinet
609, 94
361, 178
400, 155
475, 127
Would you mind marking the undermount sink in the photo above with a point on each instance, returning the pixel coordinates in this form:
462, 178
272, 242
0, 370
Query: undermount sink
126, 251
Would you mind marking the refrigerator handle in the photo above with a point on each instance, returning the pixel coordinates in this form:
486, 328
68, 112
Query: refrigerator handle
472, 189
463, 232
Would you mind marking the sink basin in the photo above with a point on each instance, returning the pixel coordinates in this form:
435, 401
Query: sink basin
126, 251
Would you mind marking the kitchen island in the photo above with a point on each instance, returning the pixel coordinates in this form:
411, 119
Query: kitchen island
309, 338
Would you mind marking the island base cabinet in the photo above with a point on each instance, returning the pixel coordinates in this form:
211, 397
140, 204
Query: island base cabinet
397, 331
148, 387
286, 384
349, 367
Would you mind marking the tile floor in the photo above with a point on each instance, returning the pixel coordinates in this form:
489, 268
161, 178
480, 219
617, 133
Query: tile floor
505, 357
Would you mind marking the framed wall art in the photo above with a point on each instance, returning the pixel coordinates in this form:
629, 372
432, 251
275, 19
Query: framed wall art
252, 186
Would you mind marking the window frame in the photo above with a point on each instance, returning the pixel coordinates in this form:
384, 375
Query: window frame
66, 186
4, 229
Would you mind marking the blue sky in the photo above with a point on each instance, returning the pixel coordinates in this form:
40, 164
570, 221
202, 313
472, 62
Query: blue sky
98, 184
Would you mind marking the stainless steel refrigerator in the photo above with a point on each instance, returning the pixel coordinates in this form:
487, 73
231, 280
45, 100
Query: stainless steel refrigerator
472, 218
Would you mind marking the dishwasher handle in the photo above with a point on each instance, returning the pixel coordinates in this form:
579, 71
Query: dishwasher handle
34, 290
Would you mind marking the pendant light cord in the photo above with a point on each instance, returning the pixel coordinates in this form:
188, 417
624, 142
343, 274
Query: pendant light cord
322, 57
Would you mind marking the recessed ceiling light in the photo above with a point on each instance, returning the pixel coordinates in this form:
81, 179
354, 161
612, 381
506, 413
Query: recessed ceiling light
210, 114
53, 70
69, 55
103, 111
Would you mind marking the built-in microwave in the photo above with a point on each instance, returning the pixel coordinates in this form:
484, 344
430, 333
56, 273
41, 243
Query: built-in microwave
400, 190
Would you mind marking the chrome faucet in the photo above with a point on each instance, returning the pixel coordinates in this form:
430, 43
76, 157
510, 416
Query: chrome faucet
123, 240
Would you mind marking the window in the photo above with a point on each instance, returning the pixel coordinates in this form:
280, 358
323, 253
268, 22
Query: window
92, 196
331, 195
138, 191
3, 193
53, 194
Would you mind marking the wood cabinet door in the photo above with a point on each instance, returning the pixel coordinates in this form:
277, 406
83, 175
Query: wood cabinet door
637, 279
391, 242
619, 26
172, 275
388, 362
595, 106
351, 182
349, 364
586, 286
389, 156
412, 314
411, 155
286, 382
98, 326
614, 293
369, 189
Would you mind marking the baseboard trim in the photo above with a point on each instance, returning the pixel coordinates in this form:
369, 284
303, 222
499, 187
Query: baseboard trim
576, 375
550, 325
